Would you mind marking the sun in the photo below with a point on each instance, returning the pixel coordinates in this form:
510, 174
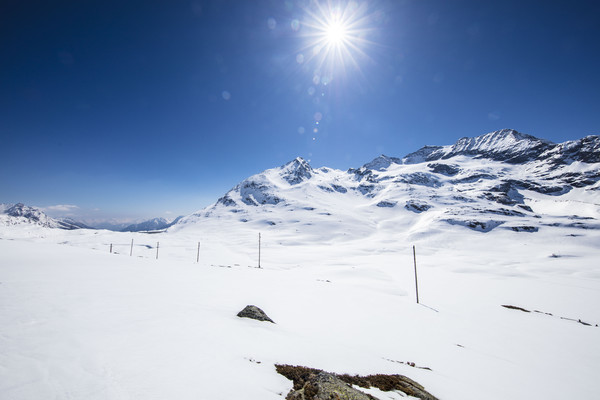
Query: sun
335, 35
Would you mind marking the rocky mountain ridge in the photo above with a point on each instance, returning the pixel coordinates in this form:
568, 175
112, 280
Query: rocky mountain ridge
17, 214
503, 178
513, 147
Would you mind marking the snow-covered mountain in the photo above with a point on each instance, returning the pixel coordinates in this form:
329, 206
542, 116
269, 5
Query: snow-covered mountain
154, 224
512, 147
503, 179
74, 222
112, 224
20, 214
505, 145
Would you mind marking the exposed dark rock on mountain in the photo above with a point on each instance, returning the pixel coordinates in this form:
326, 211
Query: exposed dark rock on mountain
419, 178
585, 150
482, 226
254, 194
296, 171
416, 206
444, 169
386, 203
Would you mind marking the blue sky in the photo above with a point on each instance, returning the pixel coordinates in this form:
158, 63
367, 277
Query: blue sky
157, 108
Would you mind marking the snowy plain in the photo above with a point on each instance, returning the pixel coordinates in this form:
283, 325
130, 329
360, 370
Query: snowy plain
77, 322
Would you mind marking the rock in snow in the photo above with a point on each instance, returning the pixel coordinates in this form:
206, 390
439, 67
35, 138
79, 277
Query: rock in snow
254, 312
315, 384
324, 386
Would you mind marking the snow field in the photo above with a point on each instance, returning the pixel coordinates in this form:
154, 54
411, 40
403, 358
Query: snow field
78, 322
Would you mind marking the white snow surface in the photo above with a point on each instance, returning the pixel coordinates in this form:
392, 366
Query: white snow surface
79, 322
336, 276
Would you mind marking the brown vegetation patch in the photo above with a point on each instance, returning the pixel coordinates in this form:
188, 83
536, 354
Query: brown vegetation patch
304, 377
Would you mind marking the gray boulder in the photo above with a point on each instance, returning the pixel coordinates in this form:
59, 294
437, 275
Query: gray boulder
325, 386
254, 312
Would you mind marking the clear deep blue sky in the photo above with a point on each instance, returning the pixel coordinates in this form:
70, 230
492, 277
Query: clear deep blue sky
138, 108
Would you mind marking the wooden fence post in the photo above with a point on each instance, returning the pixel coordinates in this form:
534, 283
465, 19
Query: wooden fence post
416, 281
258, 249
131, 249
157, 243
198, 254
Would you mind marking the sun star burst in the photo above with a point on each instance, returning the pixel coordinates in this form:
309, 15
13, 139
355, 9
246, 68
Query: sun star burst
336, 35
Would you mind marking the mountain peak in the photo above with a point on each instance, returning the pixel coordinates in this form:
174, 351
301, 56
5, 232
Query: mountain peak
503, 145
499, 136
20, 213
297, 162
382, 162
501, 140
21, 210
296, 171
506, 145
508, 133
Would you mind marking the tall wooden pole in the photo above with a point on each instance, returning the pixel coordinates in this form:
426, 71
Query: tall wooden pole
131, 249
111, 248
416, 280
259, 250
157, 250
198, 254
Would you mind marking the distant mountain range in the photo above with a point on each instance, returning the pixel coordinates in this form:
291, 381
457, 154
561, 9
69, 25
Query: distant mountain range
154, 224
501, 179
20, 214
